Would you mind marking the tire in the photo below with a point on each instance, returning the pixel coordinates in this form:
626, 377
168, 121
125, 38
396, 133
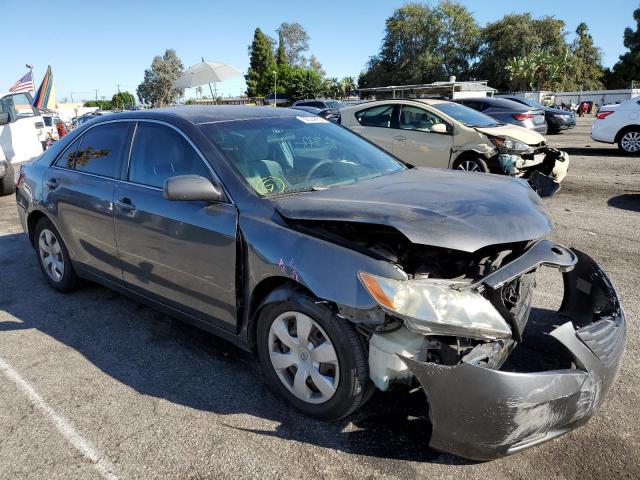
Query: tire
471, 163
48, 244
348, 376
7, 183
629, 141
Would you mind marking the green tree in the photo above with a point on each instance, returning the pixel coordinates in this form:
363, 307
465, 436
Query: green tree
515, 36
123, 100
262, 64
423, 44
348, 86
101, 104
281, 55
587, 60
300, 83
296, 43
627, 69
316, 66
157, 86
332, 88
541, 70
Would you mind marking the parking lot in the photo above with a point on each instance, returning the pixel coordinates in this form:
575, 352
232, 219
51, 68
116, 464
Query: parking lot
94, 385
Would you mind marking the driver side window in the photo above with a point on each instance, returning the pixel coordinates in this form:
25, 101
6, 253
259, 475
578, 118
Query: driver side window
159, 152
415, 118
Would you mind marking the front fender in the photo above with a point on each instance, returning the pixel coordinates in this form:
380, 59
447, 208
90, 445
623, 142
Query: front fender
327, 270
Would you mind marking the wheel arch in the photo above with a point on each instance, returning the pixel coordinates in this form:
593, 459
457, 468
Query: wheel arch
626, 129
270, 290
32, 221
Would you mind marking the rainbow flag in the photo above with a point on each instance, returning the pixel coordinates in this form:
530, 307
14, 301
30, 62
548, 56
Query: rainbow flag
45, 97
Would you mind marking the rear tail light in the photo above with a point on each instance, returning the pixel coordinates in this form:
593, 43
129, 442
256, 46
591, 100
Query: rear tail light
523, 116
19, 178
603, 115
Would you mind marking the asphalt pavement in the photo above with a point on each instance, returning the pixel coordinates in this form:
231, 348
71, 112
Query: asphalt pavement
94, 385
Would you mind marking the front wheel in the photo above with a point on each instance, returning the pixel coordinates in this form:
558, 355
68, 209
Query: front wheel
471, 164
312, 358
629, 142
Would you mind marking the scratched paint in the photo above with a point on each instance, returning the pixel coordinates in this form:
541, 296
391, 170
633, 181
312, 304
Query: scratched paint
289, 268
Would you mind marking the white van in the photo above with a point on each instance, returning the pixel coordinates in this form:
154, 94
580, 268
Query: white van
21, 127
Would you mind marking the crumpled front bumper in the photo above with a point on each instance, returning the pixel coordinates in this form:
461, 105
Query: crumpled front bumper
480, 413
545, 172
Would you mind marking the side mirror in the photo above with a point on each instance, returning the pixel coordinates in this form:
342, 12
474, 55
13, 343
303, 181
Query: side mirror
4, 118
439, 128
192, 187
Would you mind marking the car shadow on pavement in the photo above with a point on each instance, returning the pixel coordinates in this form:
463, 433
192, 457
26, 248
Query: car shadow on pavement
159, 356
627, 201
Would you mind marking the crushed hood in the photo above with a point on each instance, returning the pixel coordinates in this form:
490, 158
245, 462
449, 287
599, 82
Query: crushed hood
514, 131
442, 208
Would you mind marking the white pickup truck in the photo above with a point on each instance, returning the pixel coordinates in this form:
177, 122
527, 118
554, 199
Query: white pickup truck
21, 127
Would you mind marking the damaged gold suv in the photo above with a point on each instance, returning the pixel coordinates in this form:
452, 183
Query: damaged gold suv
437, 133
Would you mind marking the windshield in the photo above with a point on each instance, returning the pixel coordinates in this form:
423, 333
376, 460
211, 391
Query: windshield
284, 155
467, 116
334, 104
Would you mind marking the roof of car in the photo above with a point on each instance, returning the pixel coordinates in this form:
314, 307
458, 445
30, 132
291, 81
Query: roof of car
215, 113
499, 102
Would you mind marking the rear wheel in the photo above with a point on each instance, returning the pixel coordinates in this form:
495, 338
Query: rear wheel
53, 257
7, 184
470, 163
629, 142
313, 359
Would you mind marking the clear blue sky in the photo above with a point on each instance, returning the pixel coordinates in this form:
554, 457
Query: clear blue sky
96, 45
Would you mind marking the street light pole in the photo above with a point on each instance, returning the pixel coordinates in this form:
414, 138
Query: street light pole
275, 89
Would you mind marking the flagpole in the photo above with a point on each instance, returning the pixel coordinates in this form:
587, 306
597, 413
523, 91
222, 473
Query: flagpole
33, 80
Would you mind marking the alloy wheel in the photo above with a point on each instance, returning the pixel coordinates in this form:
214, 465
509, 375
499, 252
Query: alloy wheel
469, 166
630, 142
51, 255
303, 357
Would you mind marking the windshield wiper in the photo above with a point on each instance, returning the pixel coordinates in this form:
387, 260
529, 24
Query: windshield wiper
298, 190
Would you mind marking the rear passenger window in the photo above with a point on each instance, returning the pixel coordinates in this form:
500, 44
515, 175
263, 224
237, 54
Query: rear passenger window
378, 116
66, 160
101, 148
159, 152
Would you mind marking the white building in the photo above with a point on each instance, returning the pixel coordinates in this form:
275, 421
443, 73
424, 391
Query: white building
451, 89
599, 97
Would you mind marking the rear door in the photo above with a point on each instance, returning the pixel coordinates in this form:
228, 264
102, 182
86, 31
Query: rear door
79, 189
415, 143
375, 124
180, 253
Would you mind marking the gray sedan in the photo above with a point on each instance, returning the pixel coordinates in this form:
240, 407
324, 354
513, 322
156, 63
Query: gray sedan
508, 111
345, 270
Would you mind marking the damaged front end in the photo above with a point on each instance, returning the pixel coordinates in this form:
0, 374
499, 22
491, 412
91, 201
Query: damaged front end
543, 167
482, 403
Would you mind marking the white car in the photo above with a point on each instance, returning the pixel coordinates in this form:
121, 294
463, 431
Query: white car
20, 129
619, 124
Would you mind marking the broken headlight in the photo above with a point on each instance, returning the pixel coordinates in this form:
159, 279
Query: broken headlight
434, 307
511, 145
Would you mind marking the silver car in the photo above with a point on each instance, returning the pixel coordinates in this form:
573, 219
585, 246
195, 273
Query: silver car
508, 111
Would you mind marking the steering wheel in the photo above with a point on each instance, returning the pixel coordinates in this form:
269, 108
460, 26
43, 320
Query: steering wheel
315, 168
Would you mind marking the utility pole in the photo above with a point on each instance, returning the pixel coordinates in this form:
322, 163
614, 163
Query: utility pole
118, 86
96, 90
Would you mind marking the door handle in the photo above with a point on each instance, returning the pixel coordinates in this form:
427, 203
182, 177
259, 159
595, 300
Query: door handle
125, 205
400, 138
52, 184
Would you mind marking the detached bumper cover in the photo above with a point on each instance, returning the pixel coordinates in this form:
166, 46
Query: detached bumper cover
482, 414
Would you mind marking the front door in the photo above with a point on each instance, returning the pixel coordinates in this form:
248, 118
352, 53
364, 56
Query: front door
20, 138
180, 253
415, 143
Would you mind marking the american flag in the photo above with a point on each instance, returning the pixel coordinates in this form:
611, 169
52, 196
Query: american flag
25, 84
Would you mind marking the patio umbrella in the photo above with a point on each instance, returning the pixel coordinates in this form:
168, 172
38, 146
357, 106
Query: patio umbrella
206, 73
